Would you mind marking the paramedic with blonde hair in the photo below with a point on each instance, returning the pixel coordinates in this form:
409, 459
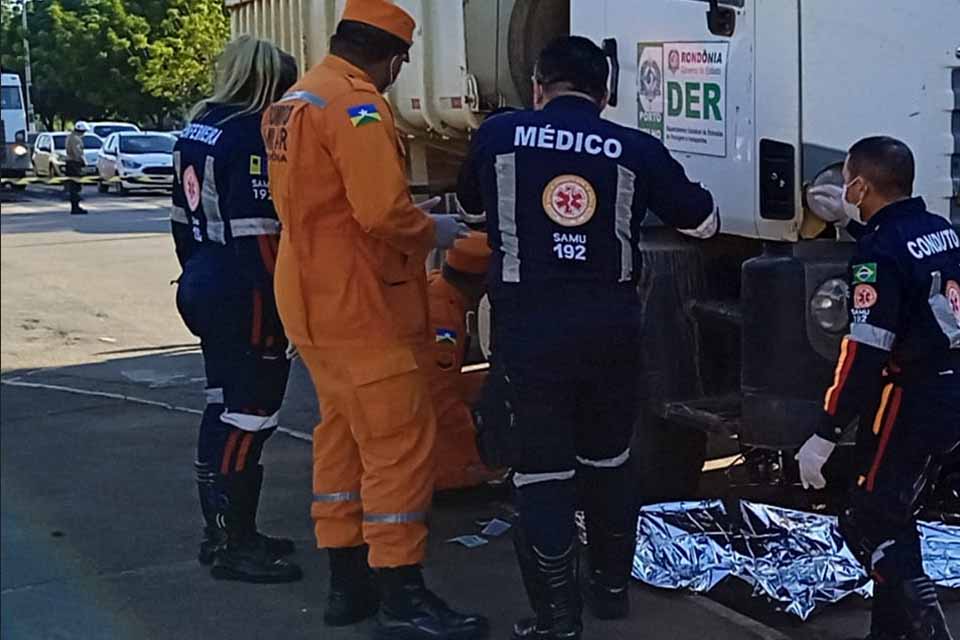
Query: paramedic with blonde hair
226, 231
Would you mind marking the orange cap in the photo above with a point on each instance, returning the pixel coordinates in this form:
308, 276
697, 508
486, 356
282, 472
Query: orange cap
470, 254
382, 14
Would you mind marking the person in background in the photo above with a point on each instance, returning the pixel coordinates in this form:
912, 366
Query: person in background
352, 292
899, 372
452, 291
565, 192
74, 166
226, 231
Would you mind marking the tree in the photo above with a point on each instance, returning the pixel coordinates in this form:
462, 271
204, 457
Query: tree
182, 51
140, 60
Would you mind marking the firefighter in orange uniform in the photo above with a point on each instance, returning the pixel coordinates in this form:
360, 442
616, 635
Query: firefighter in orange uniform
352, 292
452, 291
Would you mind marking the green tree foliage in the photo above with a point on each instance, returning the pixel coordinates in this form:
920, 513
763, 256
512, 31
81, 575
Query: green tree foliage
182, 51
140, 60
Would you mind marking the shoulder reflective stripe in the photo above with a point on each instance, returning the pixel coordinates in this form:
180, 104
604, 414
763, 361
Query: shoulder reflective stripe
626, 181
943, 312
707, 229
606, 463
523, 479
211, 203
176, 165
306, 96
250, 422
872, 336
214, 396
395, 518
506, 167
254, 227
179, 214
340, 496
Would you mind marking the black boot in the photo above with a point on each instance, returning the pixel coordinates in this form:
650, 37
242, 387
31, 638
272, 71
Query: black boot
611, 559
887, 618
244, 556
551, 584
276, 546
213, 534
922, 608
353, 591
410, 611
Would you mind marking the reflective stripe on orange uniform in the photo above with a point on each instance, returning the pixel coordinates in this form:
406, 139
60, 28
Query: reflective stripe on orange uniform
351, 290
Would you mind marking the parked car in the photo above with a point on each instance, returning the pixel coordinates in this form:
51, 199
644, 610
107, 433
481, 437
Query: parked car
105, 129
139, 160
50, 154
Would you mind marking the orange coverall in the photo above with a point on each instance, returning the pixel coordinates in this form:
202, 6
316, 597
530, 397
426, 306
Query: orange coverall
352, 292
454, 393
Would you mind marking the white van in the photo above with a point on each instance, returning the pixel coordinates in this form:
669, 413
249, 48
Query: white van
14, 156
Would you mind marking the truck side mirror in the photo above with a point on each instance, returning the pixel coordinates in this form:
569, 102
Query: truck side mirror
722, 21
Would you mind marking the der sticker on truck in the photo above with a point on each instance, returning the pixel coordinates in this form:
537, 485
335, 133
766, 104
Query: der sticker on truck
681, 95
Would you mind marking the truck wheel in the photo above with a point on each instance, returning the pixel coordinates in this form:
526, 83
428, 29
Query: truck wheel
667, 461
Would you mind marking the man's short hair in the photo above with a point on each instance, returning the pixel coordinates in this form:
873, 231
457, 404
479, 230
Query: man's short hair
576, 62
365, 44
886, 162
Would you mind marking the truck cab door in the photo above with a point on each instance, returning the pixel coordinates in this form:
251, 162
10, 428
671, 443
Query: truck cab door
718, 82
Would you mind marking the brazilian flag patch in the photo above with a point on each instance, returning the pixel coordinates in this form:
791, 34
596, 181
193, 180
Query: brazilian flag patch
866, 272
364, 114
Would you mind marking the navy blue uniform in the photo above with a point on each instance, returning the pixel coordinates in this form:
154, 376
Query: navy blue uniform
565, 192
899, 371
226, 232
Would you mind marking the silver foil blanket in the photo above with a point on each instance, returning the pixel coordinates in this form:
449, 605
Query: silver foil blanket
792, 559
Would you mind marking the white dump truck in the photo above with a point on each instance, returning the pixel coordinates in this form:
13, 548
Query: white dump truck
756, 98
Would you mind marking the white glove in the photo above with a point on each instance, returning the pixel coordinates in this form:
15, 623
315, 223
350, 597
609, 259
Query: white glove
812, 456
449, 229
826, 201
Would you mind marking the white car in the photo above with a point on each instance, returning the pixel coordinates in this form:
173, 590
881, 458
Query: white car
104, 129
50, 154
132, 160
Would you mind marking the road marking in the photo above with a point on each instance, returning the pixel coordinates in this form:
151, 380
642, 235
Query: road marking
17, 382
152, 236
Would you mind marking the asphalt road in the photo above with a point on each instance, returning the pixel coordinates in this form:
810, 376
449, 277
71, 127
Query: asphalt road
100, 395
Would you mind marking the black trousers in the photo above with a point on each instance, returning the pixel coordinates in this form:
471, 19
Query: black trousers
902, 444
74, 170
572, 366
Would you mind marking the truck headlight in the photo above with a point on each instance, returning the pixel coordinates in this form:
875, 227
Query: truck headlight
829, 305
19, 150
130, 164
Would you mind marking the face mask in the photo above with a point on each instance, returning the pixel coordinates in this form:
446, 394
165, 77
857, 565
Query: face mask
393, 74
851, 210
